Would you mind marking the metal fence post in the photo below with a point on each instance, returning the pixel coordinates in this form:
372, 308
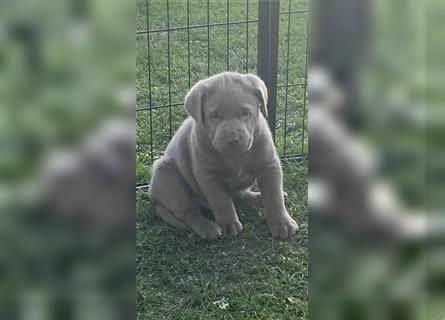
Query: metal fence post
268, 23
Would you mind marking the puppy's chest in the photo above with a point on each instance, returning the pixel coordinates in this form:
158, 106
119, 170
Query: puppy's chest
238, 178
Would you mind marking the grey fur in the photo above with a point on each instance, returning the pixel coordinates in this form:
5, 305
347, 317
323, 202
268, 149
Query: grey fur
216, 155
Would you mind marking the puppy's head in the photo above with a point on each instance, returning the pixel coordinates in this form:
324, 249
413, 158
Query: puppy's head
228, 106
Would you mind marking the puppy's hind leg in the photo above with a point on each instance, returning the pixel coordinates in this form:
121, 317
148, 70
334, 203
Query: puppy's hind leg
247, 199
176, 203
169, 217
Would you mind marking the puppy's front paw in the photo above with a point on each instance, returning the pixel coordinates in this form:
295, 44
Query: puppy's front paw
230, 228
207, 229
283, 227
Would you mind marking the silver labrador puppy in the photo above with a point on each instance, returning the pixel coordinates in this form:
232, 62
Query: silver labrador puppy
216, 155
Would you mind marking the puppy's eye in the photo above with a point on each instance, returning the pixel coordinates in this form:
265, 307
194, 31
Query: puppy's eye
245, 113
214, 115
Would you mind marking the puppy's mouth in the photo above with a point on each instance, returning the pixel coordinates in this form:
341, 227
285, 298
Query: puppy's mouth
230, 150
227, 149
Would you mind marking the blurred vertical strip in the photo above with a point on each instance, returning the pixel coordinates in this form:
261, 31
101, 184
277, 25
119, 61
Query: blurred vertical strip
67, 160
376, 161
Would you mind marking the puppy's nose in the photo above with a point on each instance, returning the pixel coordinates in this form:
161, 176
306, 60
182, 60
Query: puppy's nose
233, 142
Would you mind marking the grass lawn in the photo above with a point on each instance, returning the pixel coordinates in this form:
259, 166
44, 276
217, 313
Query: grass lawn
180, 276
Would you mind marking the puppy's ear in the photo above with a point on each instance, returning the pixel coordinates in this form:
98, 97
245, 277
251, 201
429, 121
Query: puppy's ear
194, 101
260, 91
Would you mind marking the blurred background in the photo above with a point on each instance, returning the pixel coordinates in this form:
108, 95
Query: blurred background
376, 161
67, 160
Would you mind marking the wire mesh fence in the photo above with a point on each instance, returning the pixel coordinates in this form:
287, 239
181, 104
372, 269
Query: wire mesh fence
179, 42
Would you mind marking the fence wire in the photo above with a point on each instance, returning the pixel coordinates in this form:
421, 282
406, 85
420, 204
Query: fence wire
180, 42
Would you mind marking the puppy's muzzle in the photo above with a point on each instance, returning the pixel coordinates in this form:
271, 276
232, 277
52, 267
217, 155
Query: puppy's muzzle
233, 142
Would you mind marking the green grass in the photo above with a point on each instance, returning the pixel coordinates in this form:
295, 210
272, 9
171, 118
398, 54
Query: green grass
295, 121
180, 276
